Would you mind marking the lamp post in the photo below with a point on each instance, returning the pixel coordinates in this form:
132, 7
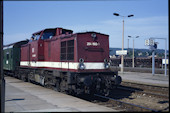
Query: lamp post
133, 63
128, 46
122, 59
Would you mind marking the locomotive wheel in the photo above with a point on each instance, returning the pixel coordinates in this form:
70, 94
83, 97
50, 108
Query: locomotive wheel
62, 86
29, 80
46, 83
57, 87
106, 92
29, 77
19, 76
23, 78
70, 92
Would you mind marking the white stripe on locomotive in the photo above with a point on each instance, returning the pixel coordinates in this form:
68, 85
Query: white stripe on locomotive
64, 65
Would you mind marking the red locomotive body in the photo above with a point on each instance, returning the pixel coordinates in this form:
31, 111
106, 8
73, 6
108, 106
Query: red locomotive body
69, 62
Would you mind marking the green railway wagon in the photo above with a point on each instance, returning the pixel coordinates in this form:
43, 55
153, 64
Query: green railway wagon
11, 56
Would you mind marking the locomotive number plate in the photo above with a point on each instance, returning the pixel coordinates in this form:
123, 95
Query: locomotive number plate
93, 44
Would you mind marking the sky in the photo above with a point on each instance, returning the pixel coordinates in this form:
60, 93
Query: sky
151, 19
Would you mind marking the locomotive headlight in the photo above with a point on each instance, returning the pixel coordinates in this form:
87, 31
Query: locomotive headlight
94, 37
106, 64
81, 64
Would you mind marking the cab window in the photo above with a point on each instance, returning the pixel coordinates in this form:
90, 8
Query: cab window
48, 34
37, 36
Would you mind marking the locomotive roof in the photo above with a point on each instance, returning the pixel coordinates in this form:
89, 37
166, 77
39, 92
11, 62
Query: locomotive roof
71, 31
70, 35
52, 29
91, 32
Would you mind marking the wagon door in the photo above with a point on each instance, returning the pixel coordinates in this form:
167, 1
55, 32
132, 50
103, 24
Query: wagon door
7, 59
41, 50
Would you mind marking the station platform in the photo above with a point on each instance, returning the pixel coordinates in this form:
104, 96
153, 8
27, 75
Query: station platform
145, 78
27, 97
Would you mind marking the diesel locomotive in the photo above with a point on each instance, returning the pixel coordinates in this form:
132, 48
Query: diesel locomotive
75, 63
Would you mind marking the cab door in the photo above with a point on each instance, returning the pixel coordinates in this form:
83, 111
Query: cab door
40, 50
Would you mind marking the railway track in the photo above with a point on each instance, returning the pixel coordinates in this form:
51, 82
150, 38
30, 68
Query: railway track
147, 89
137, 97
144, 92
126, 106
145, 86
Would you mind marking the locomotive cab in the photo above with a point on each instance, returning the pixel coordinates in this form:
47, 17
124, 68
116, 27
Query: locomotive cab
34, 50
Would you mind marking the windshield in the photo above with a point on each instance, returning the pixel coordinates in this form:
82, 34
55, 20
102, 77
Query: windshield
48, 34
